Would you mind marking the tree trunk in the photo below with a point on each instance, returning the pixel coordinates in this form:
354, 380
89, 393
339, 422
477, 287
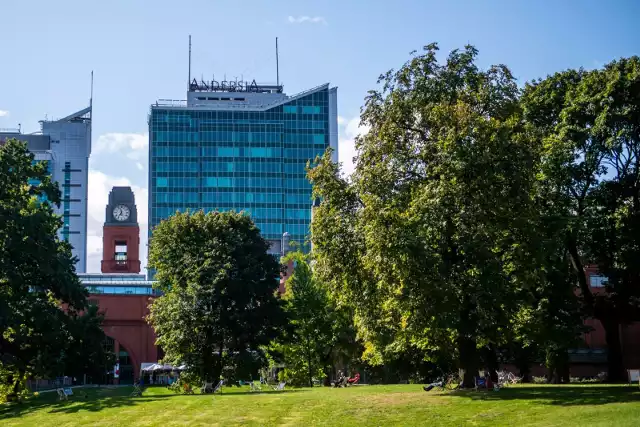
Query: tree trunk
309, 373
615, 363
327, 376
551, 379
523, 363
565, 372
468, 361
491, 361
14, 396
558, 366
525, 373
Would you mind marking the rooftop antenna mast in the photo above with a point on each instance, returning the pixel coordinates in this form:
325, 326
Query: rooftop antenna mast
91, 96
277, 66
189, 78
90, 114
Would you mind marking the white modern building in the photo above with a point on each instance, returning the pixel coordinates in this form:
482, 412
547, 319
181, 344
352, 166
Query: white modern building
66, 145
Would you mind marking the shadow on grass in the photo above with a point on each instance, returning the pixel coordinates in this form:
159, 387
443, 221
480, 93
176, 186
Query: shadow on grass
558, 395
291, 390
97, 399
92, 400
246, 392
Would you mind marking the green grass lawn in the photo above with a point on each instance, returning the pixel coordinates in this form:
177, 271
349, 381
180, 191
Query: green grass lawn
393, 405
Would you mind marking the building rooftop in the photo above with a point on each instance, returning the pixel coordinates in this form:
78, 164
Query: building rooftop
233, 100
112, 277
117, 283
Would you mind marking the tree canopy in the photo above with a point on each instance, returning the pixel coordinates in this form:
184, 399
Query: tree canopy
219, 290
476, 208
319, 331
436, 210
588, 123
41, 298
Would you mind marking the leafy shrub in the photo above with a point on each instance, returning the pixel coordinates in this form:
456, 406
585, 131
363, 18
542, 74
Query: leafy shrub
539, 380
186, 384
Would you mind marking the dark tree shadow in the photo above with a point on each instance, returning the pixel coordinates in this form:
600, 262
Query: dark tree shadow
93, 399
97, 399
293, 390
567, 395
246, 392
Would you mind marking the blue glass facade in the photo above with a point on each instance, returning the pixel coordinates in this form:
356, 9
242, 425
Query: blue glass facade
117, 284
252, 161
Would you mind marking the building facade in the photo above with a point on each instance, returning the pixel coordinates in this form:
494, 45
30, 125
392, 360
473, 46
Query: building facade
122, 294
123, 299
121, 233
243, 148
65, 145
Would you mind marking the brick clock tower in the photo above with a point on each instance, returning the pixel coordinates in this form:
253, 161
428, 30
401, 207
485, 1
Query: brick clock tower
121, 233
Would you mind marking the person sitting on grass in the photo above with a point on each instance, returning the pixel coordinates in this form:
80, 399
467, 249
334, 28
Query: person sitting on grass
342, 380
431, 386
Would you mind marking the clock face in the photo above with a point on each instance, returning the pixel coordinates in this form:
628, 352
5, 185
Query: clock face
121, 213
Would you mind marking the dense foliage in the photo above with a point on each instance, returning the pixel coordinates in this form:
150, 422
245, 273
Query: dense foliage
589, 125
474, 207
440, 201
44, 330
219, 291
320, 334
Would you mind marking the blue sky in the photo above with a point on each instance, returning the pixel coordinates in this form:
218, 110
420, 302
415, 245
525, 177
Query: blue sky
138, 52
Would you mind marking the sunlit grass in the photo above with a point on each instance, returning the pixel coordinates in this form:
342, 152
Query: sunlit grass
394, 405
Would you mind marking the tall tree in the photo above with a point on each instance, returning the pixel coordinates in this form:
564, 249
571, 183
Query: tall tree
439, 203
37, 273
318, 329
590, 126
219, 290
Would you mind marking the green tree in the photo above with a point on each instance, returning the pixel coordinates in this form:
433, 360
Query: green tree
318, 331
426, 238
85, 352
37, 273
219, 290
589, 125
550, 322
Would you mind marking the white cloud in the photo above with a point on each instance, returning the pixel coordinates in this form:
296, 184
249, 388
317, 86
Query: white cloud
139, 166
4, 113
304, 18
135, 145
353, 128
100, 185
349, 130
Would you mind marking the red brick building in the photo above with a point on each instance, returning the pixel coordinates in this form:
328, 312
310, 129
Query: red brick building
596, 339
122, 294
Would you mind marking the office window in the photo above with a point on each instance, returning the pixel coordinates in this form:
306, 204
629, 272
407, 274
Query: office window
598, 281
258, 152
243, 166
228, 151
311, 110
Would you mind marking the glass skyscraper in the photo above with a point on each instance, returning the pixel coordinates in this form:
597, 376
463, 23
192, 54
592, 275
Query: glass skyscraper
243, 147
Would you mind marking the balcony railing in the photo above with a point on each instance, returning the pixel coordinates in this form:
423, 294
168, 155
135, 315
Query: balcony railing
120, 265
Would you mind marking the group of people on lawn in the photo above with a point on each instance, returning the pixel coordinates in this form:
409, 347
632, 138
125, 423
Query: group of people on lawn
344, 380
